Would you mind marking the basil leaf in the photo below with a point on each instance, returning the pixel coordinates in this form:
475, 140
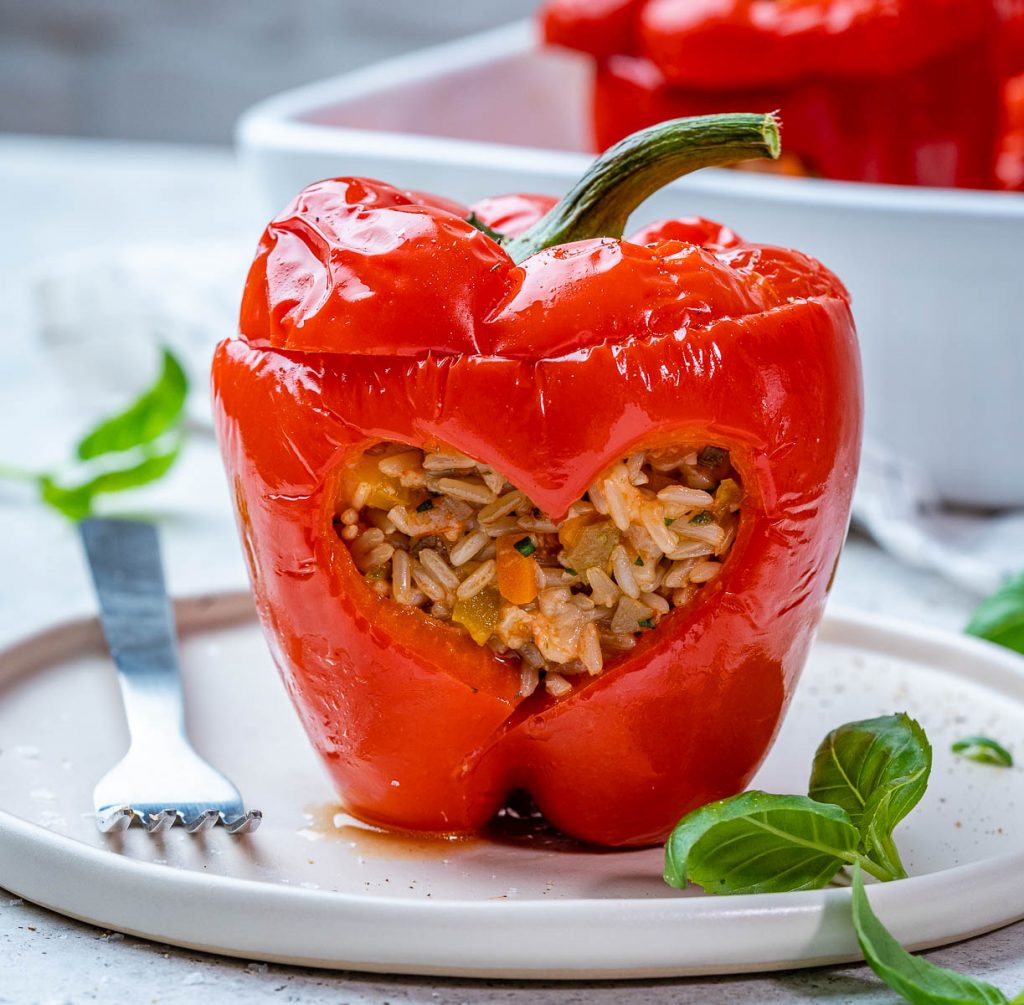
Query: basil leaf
984, 750
152, 414
914, 978
877, 770
76, 501
760, 843
1000, 618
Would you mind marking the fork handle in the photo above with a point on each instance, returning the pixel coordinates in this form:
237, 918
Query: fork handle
124, 559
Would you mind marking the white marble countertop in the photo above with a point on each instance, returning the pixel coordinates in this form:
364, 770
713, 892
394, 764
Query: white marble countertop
61, 195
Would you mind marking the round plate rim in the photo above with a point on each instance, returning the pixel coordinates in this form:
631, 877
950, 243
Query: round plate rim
51, 856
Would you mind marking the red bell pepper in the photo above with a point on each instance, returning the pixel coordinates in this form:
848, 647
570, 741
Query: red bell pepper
902, 93
1011, 36
372, 314
1010, 166
631, 93
751, 43
600, 27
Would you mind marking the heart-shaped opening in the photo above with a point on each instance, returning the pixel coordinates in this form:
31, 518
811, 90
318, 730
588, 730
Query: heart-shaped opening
436, 530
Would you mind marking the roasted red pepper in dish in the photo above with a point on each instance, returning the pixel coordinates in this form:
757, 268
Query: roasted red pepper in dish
601, 27
1011, 153
549, 510
631, 93
896, 91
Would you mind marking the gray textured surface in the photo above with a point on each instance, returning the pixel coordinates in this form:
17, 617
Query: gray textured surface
59, 196
151, 69
44, 958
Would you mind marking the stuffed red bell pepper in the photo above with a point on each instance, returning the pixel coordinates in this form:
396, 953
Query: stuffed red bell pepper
528, 506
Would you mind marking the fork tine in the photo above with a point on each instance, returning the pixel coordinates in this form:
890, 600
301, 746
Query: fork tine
162, 821
117, 819
244, 824
162, 781
202, 821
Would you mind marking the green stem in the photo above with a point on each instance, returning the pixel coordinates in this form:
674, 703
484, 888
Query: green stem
878, 871
600, 203
888, 857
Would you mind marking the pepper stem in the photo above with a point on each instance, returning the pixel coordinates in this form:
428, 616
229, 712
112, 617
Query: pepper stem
600, 203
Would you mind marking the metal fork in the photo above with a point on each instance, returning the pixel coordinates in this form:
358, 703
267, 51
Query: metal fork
161, 781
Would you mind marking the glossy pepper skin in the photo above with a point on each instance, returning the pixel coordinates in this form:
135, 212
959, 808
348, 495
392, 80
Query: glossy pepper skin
374, 314
1011, 155
893, 91
630, 93
601, 27
839, 129
713, 43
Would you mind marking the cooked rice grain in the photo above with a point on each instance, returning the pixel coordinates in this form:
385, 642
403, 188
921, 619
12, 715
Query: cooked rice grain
596, 595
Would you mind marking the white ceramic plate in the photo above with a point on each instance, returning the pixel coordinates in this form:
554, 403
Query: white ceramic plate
316, 888
934, 273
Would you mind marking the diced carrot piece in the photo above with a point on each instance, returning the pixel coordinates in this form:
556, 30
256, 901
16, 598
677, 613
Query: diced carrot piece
517, 577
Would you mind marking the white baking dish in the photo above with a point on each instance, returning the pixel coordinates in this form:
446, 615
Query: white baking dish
937, 275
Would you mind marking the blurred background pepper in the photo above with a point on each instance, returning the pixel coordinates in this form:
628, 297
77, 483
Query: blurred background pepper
918, 92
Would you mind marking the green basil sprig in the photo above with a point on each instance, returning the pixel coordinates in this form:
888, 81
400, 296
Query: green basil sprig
866, 777
914, 978
1000, 618
984, 750
876, 770
132, 448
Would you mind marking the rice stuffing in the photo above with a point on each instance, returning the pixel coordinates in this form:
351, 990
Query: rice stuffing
438, 531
